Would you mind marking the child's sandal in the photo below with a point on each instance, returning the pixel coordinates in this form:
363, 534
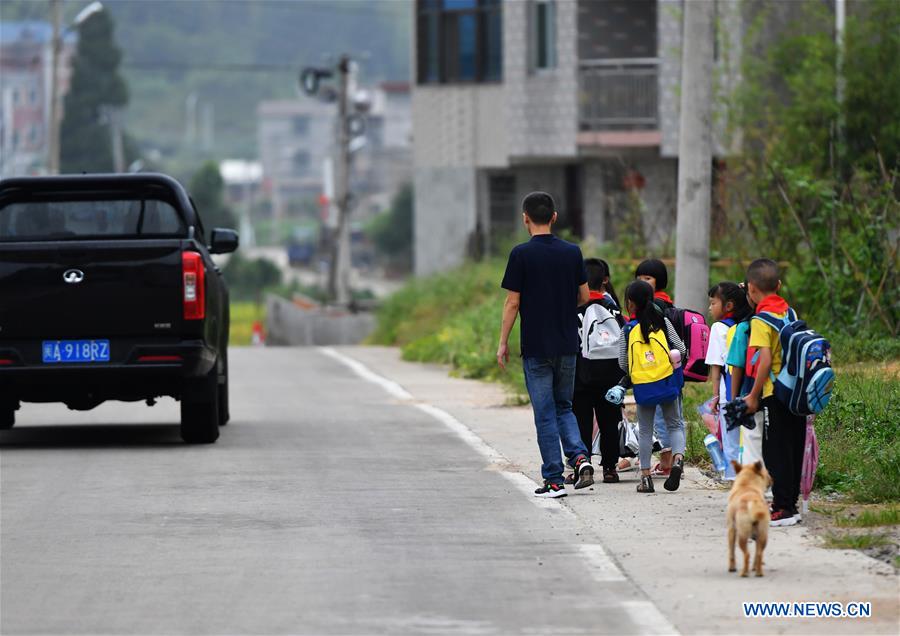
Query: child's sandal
646, 484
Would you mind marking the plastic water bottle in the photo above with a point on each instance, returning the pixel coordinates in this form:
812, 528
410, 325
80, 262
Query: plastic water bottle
715, 453
675, 358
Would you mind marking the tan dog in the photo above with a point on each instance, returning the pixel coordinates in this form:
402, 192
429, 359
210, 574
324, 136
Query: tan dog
748, 514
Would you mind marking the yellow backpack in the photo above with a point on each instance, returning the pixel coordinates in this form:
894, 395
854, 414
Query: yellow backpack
654, 378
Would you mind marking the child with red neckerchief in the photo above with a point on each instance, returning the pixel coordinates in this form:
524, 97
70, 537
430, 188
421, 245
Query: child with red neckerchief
784, 433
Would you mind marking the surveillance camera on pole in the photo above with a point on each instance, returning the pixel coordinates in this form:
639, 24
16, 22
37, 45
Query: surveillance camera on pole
311, 78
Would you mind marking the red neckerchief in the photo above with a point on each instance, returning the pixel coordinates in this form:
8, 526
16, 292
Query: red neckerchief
727, 315
773, 303
661, 295
595, 295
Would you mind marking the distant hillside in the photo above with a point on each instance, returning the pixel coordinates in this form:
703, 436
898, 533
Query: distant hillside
233, 54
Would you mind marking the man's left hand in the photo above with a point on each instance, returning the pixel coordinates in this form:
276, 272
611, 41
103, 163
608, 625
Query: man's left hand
503, 355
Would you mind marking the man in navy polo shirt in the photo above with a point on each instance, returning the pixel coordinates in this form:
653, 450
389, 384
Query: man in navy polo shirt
545, 281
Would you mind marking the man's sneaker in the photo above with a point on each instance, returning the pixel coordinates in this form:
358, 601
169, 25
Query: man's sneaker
783, 518
550, 490
674, 479
585, 473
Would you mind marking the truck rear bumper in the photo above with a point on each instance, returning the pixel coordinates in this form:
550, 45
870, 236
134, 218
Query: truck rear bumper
145, 371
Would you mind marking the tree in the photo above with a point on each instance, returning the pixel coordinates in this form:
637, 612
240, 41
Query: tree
823, 202
96, 92
392, 230
207, 189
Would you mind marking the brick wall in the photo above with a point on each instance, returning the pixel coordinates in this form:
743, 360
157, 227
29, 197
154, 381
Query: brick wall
541, 105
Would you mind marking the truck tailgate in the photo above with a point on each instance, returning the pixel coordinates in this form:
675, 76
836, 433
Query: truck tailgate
127, 288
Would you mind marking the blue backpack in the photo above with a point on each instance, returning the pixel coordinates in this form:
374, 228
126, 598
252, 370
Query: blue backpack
806, 379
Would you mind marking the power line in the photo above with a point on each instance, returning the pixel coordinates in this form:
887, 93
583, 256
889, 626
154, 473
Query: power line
226, 68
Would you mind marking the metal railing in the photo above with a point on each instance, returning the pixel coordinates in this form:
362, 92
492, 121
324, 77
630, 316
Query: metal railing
618, 94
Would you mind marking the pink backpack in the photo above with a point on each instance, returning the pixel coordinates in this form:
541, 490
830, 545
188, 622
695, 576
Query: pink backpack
693, 330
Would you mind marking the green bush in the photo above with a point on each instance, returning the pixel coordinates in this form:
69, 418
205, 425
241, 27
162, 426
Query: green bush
859, 450
454, 319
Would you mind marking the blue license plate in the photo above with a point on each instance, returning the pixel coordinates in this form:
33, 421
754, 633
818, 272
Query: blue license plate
62, 351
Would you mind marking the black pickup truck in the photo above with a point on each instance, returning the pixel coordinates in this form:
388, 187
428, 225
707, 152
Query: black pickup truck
108, 292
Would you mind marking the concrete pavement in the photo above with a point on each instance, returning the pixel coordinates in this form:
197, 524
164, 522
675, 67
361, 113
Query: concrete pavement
328, 506
671, 545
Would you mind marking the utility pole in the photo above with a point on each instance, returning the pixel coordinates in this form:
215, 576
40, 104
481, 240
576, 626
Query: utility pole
694, 157
339, 273
56, 49
113, 117
347, 124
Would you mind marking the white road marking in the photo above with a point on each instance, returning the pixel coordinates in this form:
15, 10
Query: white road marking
648, 618
603, 568
644, 614
366, 374
522, 482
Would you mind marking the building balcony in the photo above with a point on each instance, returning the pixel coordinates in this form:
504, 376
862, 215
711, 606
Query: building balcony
618, 102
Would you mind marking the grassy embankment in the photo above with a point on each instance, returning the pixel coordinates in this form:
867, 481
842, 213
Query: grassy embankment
243, 315
454, 319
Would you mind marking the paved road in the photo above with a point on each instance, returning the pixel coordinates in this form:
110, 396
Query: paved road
326, 507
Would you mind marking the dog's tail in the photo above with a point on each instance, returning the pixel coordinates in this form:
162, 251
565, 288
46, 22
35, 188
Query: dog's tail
757, 509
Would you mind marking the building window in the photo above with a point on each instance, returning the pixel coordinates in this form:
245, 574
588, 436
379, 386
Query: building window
301, 125
301, 162
459, 41
543, 34
33, 96
617, 29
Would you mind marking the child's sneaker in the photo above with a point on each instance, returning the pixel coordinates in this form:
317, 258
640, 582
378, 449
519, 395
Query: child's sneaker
783, 518
549, 490
585, 473
569, 480
610, 476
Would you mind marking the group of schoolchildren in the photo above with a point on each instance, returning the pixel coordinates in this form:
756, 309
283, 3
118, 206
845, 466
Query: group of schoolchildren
650, 346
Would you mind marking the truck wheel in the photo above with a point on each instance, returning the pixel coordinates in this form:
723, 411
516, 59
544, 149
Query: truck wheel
7, 416
200, 411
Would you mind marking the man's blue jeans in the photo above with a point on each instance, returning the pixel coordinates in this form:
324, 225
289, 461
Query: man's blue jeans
551, 383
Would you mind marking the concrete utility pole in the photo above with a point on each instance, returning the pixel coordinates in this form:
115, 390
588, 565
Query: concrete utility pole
56, 49
114, 118
694, 157
339, 273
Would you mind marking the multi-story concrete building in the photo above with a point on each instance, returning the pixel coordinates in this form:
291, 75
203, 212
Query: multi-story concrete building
25, 76
575, 97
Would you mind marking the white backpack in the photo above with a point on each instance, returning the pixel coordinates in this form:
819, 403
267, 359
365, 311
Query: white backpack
599, 333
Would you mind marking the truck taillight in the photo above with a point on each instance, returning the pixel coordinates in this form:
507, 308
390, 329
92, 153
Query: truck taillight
193, 276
